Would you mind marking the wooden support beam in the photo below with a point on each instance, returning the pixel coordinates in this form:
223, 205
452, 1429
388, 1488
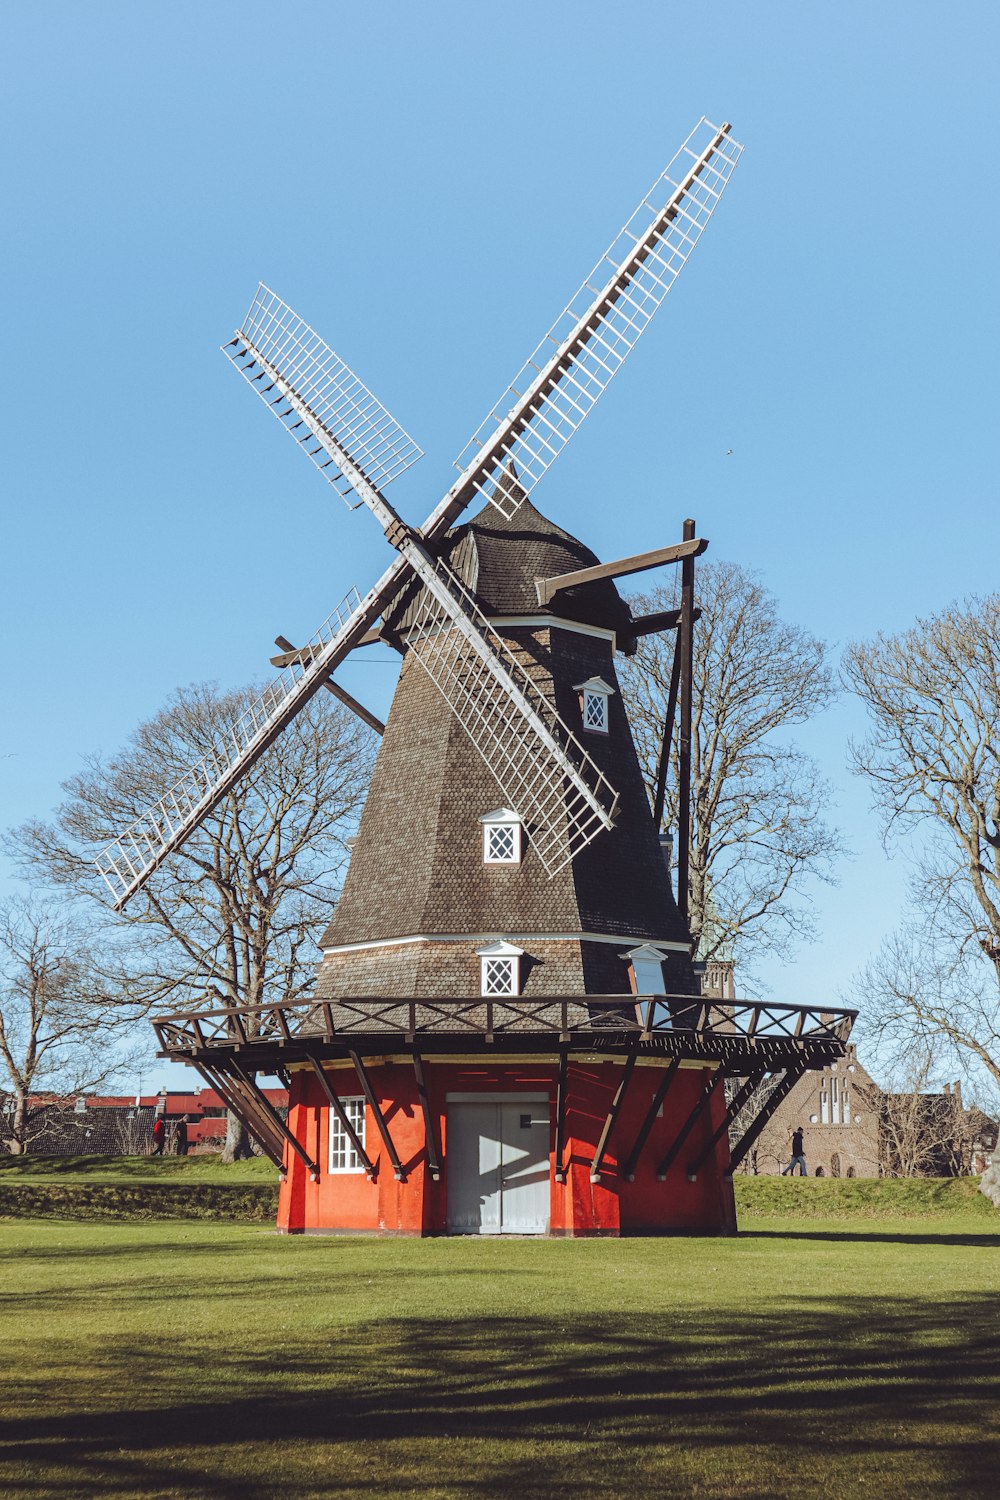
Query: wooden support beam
609, 1124
303, 655
430, 1141
336, 1104
736, 1104
668, 738
341, 694
373, 1105
267, 1108
685, 644
272, 1148
698, 1108
664, 619
662, 1090
560, 1164
753, 1130
690, 547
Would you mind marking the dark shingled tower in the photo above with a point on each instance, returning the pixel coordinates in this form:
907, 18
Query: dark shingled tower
419, 901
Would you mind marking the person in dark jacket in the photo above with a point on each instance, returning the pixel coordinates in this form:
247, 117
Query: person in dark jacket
798, 1156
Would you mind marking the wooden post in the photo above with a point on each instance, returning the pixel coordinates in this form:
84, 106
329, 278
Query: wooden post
685, 642
433, 1160
560, 1168
668, 736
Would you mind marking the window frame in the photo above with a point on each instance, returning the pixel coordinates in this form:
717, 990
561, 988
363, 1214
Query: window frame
507, 820
500, 953
336, 1130
595, 690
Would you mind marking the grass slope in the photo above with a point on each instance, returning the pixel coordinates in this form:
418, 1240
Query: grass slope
205, 1167
804, 1358
137, 1187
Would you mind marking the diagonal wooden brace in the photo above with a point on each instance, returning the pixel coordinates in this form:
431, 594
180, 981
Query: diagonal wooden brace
265, 1106
753, 1130
739, 1099
373, 1105
269, 1140
560, 1164
698, 1109
336, 1104
613, 1112
662, 1090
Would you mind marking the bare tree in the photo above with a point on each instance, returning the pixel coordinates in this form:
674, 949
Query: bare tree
921, 1129
233, 918
758, 833
58, 1021
932, 757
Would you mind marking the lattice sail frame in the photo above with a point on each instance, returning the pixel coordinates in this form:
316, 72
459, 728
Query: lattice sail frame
273, 337
127, 863
563, 799
561, 381
360, 447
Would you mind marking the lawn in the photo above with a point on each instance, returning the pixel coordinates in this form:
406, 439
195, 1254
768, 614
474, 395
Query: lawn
811, 1356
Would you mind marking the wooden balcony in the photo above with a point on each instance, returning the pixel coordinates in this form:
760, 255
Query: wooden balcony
731, 1032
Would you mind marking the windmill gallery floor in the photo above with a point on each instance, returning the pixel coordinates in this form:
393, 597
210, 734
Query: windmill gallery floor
803, 1358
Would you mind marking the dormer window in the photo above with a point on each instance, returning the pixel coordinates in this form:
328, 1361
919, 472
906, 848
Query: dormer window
500, 969
501, 837
594, 695
646, 970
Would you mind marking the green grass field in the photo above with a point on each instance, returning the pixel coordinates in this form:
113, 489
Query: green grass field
811, 1356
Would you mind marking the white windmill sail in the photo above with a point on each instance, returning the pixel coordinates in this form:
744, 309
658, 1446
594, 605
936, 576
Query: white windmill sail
127, 864
561, 381
273, 338
540, 766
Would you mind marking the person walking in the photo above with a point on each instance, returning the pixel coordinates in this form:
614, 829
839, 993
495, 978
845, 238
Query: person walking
182, 1136
159, 1135
798, 1155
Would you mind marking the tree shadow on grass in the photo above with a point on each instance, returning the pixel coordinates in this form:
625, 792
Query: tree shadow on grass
779, 1403
986, 1240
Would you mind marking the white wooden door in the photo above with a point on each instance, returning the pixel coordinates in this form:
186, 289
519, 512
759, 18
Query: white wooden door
498, 1165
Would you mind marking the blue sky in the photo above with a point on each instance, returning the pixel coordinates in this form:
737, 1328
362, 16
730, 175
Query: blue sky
427, 184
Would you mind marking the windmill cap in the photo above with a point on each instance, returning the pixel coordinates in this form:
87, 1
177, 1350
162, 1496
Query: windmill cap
501, 559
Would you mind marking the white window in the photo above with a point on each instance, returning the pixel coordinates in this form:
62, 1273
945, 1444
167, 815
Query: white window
647, 970
824, 1108
595, 712
845, 1106
501, 837
343, 1157
594, 695
499, 969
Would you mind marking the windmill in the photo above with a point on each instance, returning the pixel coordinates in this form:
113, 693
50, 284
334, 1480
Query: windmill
506, 949
540, 765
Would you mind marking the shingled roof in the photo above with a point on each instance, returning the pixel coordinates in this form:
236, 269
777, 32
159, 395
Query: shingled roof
500, 558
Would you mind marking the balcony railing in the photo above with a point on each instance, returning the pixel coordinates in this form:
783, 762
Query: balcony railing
645, 1018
